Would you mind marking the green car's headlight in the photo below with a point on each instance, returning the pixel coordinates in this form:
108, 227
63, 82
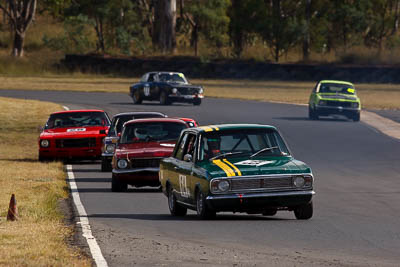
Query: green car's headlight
322, 103
220, 186
354, 105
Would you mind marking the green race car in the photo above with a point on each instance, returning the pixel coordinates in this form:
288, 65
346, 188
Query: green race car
334, 98
238, 168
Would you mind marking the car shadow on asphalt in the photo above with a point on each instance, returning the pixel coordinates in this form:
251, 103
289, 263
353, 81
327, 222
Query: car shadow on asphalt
89, 170
90, 180
150, 104
307, 119
108, 190
190, 217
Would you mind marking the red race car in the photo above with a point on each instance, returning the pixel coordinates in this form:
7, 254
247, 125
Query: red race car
143, 143
74, 134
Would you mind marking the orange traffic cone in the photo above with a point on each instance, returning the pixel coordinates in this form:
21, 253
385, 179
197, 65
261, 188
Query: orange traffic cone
12, 214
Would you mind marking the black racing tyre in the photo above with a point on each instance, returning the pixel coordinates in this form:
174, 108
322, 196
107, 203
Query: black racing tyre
304, 212
164, 100
136, 98
197, 102
312, 115
174, 208
118, 186
269, 212
356, 117
203, 211
105, 165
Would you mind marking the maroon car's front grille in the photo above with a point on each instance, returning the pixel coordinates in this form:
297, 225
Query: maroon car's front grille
262, 183
75, 142
145, 163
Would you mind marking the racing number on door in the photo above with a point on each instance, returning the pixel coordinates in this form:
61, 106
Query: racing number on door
183, 186
146, 90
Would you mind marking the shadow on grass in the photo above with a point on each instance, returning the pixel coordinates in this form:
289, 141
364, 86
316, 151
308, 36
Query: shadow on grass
20, 160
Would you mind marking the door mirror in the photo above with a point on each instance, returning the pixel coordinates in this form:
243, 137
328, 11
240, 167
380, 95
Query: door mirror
187, 158
40, 129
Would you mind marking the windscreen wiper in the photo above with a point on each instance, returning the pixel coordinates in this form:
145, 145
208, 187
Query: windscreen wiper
263, 150
224, 155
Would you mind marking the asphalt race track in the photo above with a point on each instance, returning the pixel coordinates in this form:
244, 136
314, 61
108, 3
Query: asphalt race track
356, 209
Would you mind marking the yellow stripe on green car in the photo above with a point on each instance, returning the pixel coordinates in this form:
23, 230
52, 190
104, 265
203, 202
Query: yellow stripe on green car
229, 172
239, 173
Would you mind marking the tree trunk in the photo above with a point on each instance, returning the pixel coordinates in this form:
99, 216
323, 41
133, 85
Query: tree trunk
164, 36
99, 32
18, 45
21, 15
306, 39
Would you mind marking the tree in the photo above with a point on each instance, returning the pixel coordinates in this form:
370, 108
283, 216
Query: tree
209, 18
21, 14
243, 15
164, 36
280, 27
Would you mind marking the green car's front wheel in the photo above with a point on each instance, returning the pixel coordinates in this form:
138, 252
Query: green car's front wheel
304, 212
356, 117
203, 211
312, 114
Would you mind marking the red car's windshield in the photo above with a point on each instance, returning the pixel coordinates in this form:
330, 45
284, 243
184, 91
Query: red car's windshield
151, 131
77, 119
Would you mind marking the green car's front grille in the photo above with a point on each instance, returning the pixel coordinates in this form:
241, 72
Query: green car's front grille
261, 183
344, 104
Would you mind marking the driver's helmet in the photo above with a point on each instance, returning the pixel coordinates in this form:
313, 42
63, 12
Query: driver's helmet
214, 145
141, 133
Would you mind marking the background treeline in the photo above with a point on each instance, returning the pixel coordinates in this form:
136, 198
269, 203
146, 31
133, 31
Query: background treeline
268, 30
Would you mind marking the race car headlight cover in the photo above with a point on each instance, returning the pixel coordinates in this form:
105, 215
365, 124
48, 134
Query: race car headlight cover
354, 105
122, 163
174, 90
44, 143
219, 186
322, 103
110, 148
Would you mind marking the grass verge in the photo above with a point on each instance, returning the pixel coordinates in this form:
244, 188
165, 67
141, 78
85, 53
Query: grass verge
373, 96
39, 237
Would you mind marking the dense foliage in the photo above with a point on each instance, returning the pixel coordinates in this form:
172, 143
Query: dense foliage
226, 27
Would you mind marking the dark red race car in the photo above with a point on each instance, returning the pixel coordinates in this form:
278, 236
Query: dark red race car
74, 134
143, 143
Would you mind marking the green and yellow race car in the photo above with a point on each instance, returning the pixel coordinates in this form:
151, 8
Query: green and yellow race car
334, 98
238, 168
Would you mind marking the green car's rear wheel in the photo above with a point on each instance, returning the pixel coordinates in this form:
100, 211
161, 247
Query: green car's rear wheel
174, 208
304, 212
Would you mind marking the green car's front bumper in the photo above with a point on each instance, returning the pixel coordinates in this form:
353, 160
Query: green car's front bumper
336, 110
248, 202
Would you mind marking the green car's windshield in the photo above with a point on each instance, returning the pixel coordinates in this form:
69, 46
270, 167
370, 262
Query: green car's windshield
236, 143
151, 131
337, 88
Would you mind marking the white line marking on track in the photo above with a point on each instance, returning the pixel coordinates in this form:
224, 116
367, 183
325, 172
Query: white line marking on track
84, 221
